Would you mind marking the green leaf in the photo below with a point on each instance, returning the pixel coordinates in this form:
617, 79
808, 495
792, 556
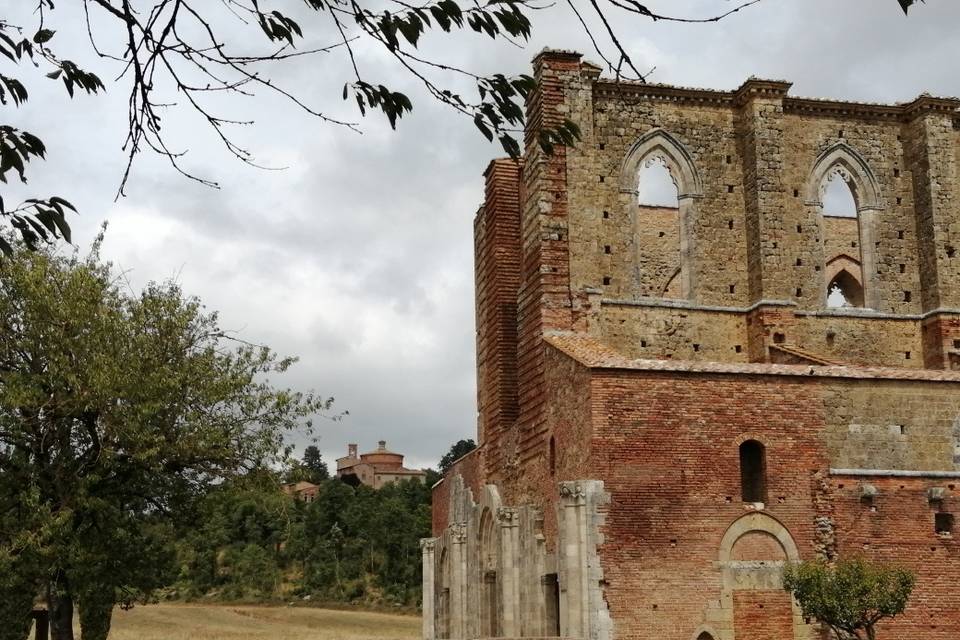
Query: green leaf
44, 35
59, 200
484, 129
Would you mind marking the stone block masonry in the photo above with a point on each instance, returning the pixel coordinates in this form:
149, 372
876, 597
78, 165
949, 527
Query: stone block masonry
671, 405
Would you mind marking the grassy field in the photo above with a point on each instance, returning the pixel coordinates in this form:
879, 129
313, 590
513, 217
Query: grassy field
206, 622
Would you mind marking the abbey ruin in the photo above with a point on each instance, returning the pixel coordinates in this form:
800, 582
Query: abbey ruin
670, 405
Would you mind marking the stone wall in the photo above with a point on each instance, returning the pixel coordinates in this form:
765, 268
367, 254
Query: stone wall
750, 166
638, 365
665, 444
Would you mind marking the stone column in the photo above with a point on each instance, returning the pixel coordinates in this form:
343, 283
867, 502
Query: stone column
509, 572
759, 123
931, 158
458, 582
427, 549
584, 611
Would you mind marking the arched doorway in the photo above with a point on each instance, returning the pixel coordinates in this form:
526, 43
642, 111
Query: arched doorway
751, 558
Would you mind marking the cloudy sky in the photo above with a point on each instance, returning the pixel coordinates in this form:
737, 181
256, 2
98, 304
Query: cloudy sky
358, 256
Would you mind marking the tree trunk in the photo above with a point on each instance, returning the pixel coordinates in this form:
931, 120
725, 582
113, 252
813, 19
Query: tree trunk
60, 606
96, 612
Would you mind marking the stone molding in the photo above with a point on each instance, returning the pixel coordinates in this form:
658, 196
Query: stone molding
895, 473
854, 170
777, 89
660, 143
762, 522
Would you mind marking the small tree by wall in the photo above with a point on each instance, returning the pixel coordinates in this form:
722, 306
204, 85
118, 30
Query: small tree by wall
850, 597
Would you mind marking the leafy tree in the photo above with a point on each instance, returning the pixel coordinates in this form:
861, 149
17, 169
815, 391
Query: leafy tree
315, 464
184, 50
311, 468
118, 412
850, 597
457, 451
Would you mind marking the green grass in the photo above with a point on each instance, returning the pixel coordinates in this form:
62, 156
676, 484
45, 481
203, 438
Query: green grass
209, 622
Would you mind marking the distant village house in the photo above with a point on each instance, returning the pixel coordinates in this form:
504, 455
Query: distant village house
303, 490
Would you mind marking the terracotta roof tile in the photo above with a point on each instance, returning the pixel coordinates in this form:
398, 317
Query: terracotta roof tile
594, 354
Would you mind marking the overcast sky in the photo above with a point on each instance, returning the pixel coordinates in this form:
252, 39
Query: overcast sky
358, 258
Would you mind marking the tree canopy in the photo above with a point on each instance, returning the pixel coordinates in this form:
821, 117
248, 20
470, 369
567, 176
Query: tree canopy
118, 412
459, 449
850, 597
188, 53
310, 468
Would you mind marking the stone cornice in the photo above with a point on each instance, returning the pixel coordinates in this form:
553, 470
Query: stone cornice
661, 92
837, 108
755, 88
931, 104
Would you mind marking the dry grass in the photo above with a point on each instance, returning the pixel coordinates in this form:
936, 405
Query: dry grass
206, 622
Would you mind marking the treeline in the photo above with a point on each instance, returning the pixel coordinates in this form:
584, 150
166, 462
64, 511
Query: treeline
252, 542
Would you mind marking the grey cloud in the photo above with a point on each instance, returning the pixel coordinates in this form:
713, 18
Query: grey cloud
358, 258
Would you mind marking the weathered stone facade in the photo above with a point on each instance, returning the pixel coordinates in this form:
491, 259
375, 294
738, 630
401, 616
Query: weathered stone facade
669, 408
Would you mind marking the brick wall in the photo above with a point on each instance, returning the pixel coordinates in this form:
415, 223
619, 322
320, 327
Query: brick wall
497, 268
667, 449
762, 615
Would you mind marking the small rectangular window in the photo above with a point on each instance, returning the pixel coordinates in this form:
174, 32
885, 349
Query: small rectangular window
943, 524
753, 472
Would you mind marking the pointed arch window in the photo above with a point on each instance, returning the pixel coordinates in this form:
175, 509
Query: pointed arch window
658, 228
661, 173
845, 194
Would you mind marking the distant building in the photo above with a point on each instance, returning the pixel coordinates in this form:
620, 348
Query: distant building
303, 490
375, 468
